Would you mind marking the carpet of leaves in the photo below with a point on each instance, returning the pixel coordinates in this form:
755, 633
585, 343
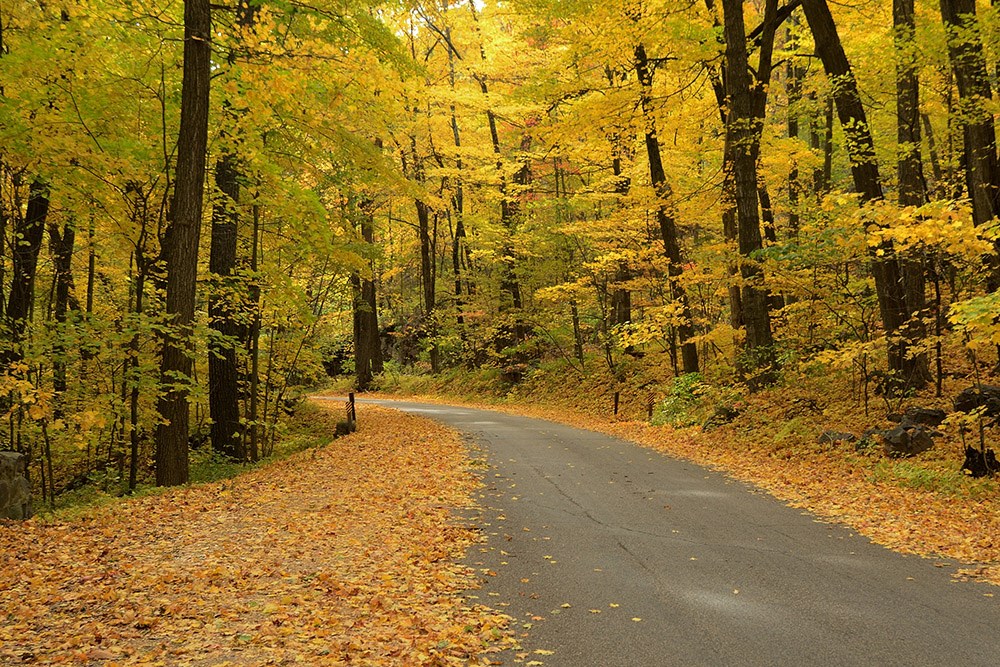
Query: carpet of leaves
342, 555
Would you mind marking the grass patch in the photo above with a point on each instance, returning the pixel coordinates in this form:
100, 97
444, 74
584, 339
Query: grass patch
928, 477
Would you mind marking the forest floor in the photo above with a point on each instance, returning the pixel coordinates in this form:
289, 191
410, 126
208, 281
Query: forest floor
343, 554
923, 506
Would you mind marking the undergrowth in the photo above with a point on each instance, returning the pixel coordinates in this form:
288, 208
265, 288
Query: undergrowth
311, 425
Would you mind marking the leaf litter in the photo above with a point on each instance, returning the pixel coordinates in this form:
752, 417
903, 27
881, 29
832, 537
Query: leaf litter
342, 555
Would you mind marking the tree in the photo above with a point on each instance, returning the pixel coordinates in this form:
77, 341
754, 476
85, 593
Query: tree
29, 229
226, 299
181, 247
864, 170
982, 173
744, 120
664, 215
912, 190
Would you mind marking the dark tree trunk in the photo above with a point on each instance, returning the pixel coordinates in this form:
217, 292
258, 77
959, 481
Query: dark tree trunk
664, 213
181, 247
795, 74
28, 233
62, 243
253, 341
226, 299
972, 78
621, 297
864, 170
224, 305
932, 154
915, 368
367, 346
743, 130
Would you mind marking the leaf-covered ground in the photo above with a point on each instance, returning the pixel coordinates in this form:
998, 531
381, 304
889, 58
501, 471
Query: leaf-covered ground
345, 554
832, 482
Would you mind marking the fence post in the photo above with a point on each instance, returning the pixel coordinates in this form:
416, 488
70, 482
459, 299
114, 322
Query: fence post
352, 415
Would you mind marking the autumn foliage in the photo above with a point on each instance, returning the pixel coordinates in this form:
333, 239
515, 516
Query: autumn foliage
345, 554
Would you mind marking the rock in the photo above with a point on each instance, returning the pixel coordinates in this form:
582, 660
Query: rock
723, 414
980, 464
925, 416
514, 373
835, 437
15, 492
983, 395
907, 439
868, 440
801, 407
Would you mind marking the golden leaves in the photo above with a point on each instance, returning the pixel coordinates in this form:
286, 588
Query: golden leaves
342, 555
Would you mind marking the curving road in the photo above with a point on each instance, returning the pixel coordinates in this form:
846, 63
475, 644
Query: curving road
608, 554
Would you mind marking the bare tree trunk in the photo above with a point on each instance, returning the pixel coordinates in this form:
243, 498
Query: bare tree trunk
367, 346
181, 247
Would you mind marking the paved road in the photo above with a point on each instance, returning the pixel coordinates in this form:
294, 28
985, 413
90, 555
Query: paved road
619, 556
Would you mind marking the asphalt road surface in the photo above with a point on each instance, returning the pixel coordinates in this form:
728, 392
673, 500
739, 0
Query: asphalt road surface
608, 554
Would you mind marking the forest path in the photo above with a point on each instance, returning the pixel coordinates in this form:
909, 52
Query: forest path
612, 554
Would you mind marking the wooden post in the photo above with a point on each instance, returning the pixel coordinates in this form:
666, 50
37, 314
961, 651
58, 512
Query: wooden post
352, 416
617, 398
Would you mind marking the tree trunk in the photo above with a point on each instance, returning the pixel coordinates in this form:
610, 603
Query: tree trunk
795, 74
664, 214
982, 172
28, 233
62, 243
744, 122
223, 312
864, 170
621, 298
915, 368
253, 342
181, 247
226, 299
367, 346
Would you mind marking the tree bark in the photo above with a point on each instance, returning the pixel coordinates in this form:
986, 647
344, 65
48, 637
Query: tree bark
367, 346
226, 299
915, 368
181, 247
62, 243
982, 172
223, 312
744, 122
28, 233
664, 214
